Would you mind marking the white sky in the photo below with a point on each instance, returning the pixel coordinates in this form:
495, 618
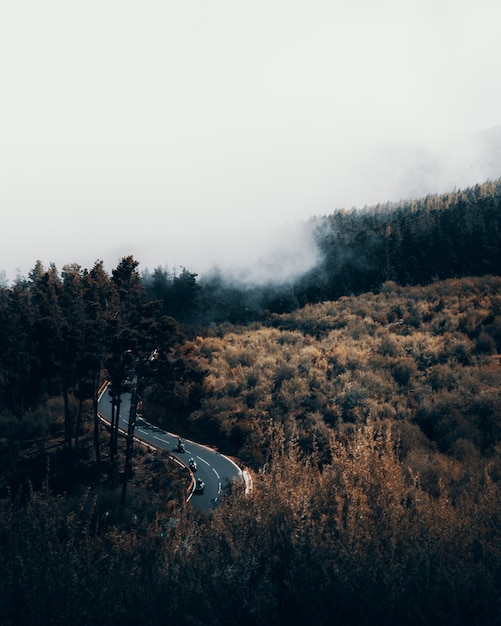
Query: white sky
197, 132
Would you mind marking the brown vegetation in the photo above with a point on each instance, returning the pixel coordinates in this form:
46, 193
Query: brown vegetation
373, 427
417, 358
356, 541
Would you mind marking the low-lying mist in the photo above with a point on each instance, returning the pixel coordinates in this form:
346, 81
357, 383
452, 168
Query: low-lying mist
262, 247
278, 256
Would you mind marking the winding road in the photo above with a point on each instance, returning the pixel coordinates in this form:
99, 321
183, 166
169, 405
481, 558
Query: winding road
216, 470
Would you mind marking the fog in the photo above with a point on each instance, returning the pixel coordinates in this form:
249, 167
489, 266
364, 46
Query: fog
204, 134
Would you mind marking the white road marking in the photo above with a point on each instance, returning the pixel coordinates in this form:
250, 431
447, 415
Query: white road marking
219, 481
161, 439
143, 425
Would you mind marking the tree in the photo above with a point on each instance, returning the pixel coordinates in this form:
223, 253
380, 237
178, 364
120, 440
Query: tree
60, 327
129, 287
101, 304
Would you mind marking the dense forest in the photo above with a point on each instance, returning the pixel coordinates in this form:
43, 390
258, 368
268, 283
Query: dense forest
363, 398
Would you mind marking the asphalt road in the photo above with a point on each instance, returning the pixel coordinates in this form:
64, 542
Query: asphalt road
216, 470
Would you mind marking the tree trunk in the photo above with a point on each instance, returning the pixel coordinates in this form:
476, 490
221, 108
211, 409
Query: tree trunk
67, 420
96, 420
79, 421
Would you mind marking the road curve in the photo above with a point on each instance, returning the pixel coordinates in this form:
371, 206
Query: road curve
215, 469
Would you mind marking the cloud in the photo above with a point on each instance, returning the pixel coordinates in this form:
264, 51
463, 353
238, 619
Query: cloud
193, 133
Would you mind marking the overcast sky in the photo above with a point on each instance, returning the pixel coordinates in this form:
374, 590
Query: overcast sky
197, 132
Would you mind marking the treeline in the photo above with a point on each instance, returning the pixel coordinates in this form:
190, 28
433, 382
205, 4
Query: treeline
411, 242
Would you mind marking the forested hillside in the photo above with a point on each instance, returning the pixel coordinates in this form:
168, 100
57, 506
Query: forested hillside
411, 242
419, 358
364, 400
